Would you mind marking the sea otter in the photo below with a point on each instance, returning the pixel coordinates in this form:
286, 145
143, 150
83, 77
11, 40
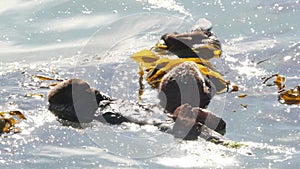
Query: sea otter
185, 84
200, 42
75, 101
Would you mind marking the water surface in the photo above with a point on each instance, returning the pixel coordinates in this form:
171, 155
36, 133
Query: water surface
94, 41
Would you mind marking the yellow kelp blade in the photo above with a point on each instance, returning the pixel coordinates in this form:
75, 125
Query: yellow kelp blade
280, 80
215, 77
207, 69
35, 95
164, 65
8, 124
199, 61
155, 74
207, 51
217, 53
148, 59
291, 96
6, 127
54, 84
174, 62
145, 57
17, 113
44, 78
242, 96
12, 121
142, 86
8, 121
160, 46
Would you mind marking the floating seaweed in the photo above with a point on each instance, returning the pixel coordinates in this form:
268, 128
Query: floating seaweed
198, 46
234, 88
279, 81
242, 96
146, 58
54, 84
245, 106
230, 144
49, 86
291, 96
157, 67
46, 78
35, 95
8, 121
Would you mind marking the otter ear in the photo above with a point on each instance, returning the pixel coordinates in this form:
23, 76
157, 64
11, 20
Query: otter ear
145, 57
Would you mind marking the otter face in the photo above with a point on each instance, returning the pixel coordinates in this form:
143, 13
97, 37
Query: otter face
185, 84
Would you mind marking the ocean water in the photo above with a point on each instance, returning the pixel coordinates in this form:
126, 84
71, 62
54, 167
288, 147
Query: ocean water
94, 41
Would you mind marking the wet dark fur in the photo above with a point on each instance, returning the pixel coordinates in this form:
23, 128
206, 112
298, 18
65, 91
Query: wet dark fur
75, 101
182, 44
185, 84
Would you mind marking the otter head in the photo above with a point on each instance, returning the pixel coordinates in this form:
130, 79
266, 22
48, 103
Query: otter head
185, 84
75, 101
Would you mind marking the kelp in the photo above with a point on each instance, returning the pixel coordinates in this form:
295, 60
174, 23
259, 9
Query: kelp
291, 96
46, 78
45, 82
35, 95
164, 65
53, 84
142, 86
146, 58
242, 96
245, 106
234, 88
157, 67
8, 121
198, 46
230, 144
279, 81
